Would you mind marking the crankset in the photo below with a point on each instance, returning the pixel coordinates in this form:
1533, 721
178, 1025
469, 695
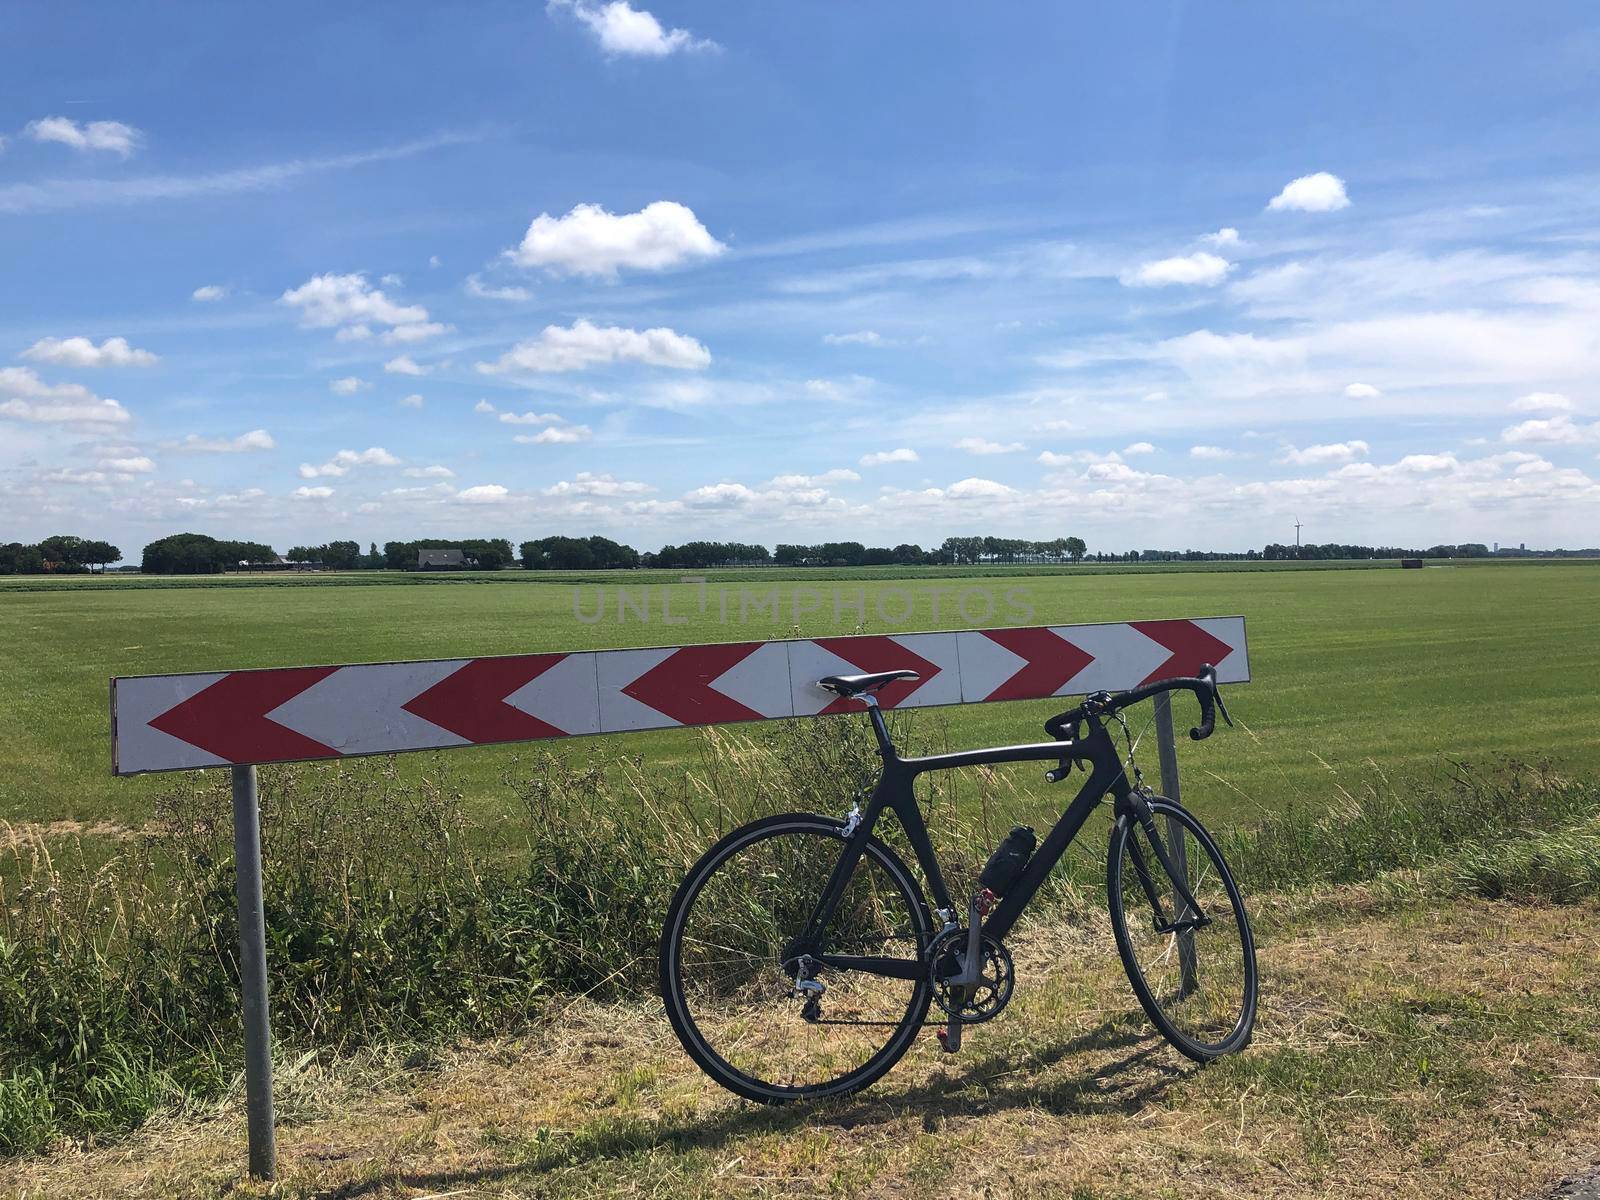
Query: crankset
987, 991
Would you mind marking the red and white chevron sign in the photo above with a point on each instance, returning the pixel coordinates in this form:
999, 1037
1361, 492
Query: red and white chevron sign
229, 718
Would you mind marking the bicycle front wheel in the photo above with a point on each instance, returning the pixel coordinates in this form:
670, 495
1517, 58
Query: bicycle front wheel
730, 945
1194, 973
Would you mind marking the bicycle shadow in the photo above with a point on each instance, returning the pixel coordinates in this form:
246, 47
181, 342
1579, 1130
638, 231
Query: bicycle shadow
983, 1086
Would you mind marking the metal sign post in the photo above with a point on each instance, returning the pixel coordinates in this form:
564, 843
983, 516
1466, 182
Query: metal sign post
253, 973
239, 719
1177, 836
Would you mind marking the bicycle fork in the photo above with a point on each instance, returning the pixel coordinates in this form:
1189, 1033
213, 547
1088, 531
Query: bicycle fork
1182, 922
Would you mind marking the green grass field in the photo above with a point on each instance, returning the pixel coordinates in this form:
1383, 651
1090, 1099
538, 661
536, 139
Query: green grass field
1403, 668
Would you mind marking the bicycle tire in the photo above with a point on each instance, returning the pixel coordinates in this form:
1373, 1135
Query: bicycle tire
1127, 833
680, 1010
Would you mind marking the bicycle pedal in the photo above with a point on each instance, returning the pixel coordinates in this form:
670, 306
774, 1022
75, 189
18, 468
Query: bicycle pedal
946, 1043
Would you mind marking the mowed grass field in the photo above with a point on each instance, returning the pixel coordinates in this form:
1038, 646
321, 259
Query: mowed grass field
1355, 671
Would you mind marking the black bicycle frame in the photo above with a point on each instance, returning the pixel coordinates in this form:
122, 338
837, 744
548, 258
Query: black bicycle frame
894, 791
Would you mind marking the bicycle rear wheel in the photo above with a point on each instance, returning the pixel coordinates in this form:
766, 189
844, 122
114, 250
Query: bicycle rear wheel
729, 947
1197, 982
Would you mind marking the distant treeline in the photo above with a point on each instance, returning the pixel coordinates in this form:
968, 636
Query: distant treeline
488, 554
61, 554
198, 554
1312, 553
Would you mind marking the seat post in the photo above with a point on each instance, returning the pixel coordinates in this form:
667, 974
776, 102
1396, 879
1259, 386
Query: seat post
878, 727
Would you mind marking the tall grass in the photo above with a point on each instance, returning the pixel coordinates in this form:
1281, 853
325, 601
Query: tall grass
391, 919
1384, 824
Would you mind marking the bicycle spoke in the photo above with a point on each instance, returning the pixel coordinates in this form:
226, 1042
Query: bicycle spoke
1196, 976
741, 999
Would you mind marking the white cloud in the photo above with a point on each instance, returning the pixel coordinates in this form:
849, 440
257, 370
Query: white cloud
837, 475
880, 457
403, 364
348, 386
1361, 391
55, 194
342, 462
1138, 448
1320, 192
1211, 453
210, 292
556, 435
328, 300
81, 352
111, 136
586, 483
1050, 458
483, 493
433, 472
978, 489
28, 398
1199, 269
136, 465
256, 439
1557, 430
411, 401
483, 291
1542, 402
483, 406
721, 495
861, 337
1424, 464
591, 241
353, 333
584, 344
625, 31
312, 493
1223, 239
1203, 350
87, 412
978, 445
525, 418
1334, 452
416, 331
840, 389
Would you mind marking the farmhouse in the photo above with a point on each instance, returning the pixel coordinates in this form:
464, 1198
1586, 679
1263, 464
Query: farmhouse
441, 560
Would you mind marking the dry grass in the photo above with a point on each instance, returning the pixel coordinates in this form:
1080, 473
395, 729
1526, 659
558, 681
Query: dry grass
1405, 1050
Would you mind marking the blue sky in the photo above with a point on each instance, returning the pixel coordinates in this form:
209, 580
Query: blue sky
1156, 275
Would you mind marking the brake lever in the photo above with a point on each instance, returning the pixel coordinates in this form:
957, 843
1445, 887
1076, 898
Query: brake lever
1216, 694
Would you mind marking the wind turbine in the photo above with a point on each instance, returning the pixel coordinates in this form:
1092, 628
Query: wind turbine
1297, 533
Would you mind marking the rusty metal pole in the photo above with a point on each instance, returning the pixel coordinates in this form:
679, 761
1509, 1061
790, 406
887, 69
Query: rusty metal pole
253, 974
1177, 836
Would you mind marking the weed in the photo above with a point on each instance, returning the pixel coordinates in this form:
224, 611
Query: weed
394, 921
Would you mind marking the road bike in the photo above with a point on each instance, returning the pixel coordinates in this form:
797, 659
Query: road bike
800, 957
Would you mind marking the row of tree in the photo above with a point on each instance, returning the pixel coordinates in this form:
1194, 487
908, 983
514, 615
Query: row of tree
339, 556
1333, 550
487, 554
198, 554
577, 554
694, 555
559, 553
62, 553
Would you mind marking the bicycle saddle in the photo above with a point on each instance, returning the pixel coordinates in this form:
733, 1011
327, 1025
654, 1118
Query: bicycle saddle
854, 685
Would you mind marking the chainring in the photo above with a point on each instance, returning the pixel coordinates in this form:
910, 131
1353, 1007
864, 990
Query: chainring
996, 978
